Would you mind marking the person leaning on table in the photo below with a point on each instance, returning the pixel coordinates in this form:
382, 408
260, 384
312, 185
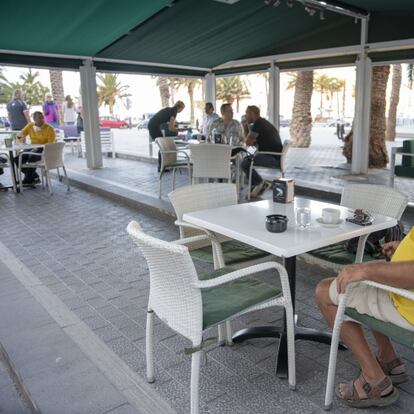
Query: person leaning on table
40, 133
380, 372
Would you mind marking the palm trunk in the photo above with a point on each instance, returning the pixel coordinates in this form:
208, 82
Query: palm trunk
190, 90
56, 83
395, 97
343, 100
300, 129
164, 91
378, 156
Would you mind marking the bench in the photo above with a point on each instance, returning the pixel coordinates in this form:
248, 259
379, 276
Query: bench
107, 142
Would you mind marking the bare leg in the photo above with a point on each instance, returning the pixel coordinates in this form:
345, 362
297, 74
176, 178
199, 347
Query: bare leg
354, 338
386, 352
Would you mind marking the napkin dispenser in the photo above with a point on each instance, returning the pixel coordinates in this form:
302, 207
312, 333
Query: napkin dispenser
283, 190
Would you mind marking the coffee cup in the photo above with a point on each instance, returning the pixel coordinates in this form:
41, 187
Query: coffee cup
331, 215
8, 142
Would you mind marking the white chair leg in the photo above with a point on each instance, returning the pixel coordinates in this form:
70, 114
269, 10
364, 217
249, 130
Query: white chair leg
66, 177
221, 334
291, 347
149, 346
250, 181
195, 379
59, 176
42, 177
49, 182
334, 352
229, 334
173, 178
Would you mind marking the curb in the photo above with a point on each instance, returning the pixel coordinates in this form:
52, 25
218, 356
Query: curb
18, 381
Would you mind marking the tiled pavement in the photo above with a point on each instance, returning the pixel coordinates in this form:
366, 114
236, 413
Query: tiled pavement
76, 244
318, 167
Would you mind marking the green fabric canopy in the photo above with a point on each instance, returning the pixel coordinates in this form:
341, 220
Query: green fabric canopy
201, 34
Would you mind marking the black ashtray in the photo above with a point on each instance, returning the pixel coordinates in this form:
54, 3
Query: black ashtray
276, 223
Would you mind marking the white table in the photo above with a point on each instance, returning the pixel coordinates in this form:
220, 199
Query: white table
246, 223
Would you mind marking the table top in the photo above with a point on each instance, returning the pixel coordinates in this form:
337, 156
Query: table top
21, 147
246, 223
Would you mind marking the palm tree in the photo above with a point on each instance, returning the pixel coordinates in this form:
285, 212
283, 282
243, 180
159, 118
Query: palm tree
230, 89
322, 84
337, 85
56, 83
410, 75
395, 97
163, 84
378, 156
301, 125
190, 84
33, 91
110, 89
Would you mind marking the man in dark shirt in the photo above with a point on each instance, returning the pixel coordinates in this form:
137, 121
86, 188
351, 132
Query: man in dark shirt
18, 112
165, 116
265, 137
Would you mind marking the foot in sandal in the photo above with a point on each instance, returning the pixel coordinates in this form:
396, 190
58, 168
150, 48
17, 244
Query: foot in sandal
395, 369
362, 394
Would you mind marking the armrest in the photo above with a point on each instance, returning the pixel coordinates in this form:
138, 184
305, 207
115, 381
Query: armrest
402, 292
247, 271
192, 239
267, 153
208, 233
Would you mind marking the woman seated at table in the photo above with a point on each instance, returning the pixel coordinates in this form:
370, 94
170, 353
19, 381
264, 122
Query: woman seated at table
229, 129
40, 133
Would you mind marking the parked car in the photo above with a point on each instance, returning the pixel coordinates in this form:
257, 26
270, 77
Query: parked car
143, 122
284, 123
112, 122
4, 122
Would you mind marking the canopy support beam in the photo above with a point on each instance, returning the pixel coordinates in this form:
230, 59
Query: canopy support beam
274, 95
210, 89
361, 129
90, 115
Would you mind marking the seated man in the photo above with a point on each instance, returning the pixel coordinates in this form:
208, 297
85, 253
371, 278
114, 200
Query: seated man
379, 372
265, 137
39, 133
230, 129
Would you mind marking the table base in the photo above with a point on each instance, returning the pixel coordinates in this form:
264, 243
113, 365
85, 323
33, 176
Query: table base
308, 334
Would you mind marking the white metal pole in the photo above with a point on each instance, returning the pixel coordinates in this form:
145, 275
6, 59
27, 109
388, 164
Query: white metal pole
90, 115
274, 95
210, 89
360, 144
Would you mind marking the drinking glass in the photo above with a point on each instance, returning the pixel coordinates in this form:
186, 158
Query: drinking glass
303, 217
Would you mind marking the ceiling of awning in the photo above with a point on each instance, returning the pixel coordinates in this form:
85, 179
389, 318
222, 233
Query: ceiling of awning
193, 33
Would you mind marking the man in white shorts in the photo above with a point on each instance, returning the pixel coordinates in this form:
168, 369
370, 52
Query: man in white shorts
380, 372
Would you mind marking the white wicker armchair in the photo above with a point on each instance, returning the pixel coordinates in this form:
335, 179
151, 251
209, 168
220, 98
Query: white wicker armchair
181, 300
51, 159
376, 199
211, 161
171, 158
340, 316
282, 161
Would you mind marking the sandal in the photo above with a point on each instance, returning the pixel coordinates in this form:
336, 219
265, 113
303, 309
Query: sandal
388, 367
374, 397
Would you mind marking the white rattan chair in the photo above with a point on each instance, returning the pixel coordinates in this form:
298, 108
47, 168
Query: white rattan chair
8, 164
211, 161
282, 161
394, 332
170, 160
376, 199
184, 302
51, 158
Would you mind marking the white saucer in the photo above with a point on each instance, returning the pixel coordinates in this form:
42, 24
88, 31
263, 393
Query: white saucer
322, 223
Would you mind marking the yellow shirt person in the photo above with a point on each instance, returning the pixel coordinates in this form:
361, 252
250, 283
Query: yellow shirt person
44, 134
405, 251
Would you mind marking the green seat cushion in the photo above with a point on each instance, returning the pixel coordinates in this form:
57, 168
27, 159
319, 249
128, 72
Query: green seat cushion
402, 171
233, 251
336, 253
222, 302
394, 332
